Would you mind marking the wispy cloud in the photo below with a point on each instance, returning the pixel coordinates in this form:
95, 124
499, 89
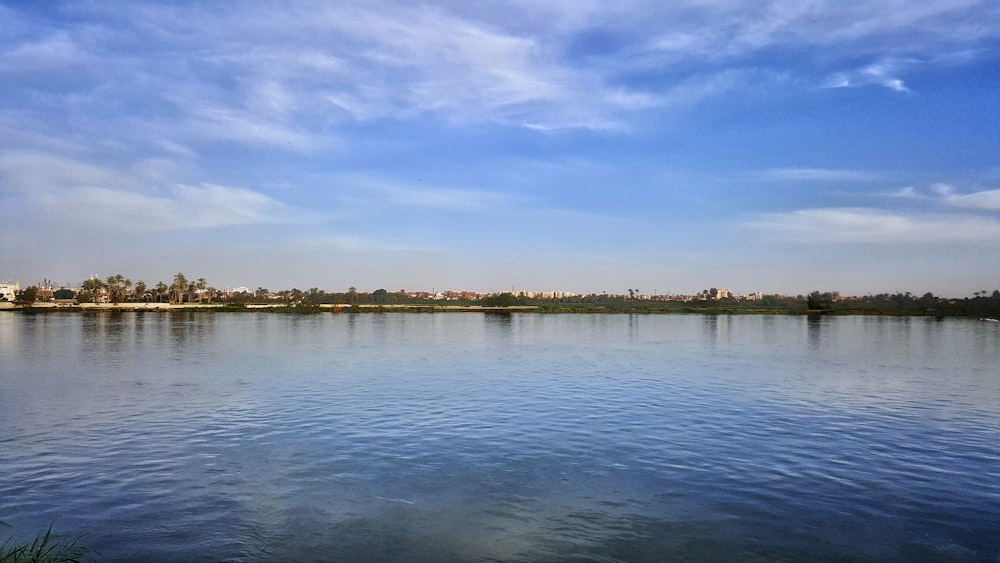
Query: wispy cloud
874, 226
372, 190
817, 175
38, 173
885, 74
947, 194
55, 51
988, 200
180, 207
63, 192
351, 243
345, 62
227, 124
947, 216
285, 75
701, 87
733, 30
906, 192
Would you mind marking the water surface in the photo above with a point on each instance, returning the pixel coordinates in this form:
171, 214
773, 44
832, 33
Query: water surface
524, 437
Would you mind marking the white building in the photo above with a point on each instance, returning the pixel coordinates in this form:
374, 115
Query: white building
8, 290
719, 293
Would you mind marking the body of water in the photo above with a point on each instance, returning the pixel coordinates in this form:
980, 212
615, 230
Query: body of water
525, 437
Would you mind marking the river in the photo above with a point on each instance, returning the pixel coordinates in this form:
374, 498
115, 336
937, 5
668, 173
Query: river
201, 436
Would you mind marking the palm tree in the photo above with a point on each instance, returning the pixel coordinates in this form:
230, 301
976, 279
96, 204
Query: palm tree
161, 288
112, 284
201, 286
140, 290
92, 287
92, 284
179, 287
118, 285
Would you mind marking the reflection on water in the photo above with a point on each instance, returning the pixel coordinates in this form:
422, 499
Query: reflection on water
814, 326
717, 329
512, 437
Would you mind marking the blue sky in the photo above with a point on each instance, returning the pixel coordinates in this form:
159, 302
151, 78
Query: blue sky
778, 146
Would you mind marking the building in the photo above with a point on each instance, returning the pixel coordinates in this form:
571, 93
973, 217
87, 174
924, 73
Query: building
544, 294
8, 290
716, 293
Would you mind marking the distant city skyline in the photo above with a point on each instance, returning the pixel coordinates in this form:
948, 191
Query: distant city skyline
774, 146
9, 287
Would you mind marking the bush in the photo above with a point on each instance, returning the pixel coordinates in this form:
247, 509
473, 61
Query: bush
817, 301
501, 300
26, 296
63, 294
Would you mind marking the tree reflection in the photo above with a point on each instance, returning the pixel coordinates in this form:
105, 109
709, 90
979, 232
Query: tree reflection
814, 325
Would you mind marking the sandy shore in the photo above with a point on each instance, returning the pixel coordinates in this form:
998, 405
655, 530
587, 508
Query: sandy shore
114, 306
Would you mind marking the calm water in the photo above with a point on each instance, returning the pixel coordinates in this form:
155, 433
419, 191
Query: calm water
469, 437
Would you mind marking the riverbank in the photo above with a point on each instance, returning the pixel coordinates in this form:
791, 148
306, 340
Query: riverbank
276, 307
685, 308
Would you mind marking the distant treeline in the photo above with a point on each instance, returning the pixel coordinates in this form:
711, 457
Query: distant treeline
982, 305
118, 289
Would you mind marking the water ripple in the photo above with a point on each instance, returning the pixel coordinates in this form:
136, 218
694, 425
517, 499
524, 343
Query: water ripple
528, 438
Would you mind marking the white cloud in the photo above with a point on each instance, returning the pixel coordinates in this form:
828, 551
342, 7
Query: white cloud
883, 74
942, 189
986, 200
699, 88
281, 75
344, 61
369, 190
40, 173
64, 192
817, 174
724, 29
906, 192
864, 225
180, 207
53, 52
896, 36
235, 125
947, 194
175, 148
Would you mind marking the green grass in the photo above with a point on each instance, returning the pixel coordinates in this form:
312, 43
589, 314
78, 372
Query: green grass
45, 548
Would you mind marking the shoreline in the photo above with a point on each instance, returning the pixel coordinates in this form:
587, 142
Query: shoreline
265, 307
435, 308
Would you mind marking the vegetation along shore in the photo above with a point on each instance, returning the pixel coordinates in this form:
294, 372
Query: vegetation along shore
118, 293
